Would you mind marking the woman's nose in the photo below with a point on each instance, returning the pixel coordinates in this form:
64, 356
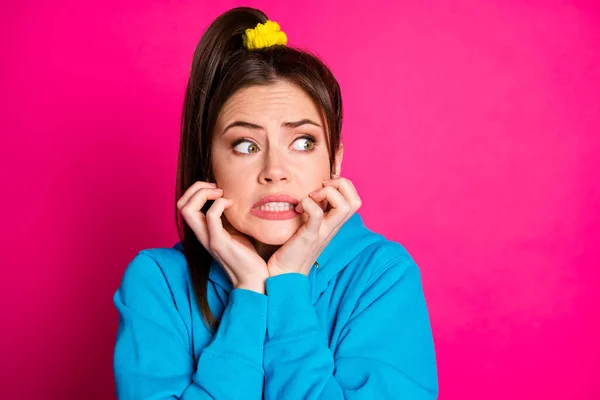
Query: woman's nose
274, 169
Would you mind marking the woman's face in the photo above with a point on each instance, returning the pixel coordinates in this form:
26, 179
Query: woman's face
269, 140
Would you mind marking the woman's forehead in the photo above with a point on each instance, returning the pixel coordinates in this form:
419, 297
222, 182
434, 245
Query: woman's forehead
281, 101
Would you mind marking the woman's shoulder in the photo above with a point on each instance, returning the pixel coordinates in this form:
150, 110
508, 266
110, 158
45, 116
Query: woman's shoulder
388, 251
384, 257
361, 251
152, 267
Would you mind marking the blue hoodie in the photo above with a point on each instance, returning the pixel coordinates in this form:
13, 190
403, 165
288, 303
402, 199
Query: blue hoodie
357, 327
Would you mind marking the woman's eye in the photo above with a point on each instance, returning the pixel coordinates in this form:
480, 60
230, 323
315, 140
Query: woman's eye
246, 147
306, 143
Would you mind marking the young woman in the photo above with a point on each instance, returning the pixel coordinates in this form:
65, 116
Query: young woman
276, 289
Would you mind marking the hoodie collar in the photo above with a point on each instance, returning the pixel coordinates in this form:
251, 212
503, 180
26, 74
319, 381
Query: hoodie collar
348, 242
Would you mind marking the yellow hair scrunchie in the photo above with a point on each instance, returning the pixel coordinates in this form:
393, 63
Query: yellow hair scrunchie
264, 35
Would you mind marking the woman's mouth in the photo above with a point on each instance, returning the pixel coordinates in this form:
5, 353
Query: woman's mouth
275, 211
275, 207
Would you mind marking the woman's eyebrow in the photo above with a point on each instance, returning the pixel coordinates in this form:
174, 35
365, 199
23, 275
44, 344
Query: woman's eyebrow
299, 123
249, 125
242, 124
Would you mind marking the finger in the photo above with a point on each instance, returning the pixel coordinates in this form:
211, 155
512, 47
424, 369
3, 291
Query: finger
341, 209
315, 215
193, 215
347, 189
193, 189
216, 231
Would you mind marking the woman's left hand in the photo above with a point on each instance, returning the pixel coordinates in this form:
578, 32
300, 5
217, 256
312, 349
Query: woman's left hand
301, 251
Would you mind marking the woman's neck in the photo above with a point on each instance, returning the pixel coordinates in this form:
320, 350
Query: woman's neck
265, 250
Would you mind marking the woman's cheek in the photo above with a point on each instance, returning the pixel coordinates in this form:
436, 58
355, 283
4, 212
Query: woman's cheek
232, 218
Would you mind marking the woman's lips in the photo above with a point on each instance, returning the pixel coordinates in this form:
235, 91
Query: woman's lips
274, 215
276, 198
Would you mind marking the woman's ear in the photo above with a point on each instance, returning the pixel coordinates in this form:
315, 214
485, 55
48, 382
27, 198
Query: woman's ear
339, 156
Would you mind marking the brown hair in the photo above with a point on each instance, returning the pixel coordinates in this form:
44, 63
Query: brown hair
222, 66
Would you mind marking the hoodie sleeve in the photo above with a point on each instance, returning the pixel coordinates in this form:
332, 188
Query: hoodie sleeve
153, 358
385, 349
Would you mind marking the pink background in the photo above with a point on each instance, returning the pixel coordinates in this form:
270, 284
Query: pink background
472, 133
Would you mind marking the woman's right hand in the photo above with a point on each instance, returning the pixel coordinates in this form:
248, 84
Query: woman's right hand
231, 248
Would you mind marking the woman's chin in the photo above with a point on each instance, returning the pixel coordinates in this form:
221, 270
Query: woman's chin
275, 235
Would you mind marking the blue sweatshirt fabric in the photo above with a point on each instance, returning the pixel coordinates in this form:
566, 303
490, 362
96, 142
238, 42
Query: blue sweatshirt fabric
357, 327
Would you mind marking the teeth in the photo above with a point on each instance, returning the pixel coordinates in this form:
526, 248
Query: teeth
276, 206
